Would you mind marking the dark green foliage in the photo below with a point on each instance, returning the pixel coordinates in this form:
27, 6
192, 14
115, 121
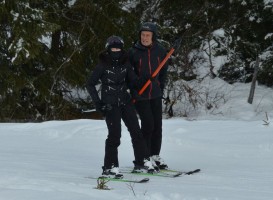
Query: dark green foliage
38, 81
41, 80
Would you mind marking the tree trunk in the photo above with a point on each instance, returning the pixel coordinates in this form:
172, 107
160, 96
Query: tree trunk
253, 84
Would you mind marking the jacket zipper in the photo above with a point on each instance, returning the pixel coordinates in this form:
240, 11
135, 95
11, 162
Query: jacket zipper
158, 63
140, 66
150, 68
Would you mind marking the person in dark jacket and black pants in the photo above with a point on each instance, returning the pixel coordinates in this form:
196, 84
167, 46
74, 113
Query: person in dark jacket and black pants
117, 76
145, 56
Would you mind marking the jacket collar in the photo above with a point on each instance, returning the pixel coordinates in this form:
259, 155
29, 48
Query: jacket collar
139, 46
104, 56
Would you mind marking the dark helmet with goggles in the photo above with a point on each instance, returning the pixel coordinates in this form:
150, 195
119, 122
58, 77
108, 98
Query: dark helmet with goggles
149, 26
114, 42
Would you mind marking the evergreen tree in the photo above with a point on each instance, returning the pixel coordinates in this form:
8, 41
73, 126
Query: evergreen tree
22, 27
48, 50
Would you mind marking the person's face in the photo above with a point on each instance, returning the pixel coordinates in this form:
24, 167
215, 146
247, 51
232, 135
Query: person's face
146, 38
115, 49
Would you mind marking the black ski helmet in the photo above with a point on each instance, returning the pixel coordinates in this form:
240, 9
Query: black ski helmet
149, 26
114, 42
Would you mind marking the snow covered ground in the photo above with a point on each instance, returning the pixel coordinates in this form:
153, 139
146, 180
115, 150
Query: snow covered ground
50, 160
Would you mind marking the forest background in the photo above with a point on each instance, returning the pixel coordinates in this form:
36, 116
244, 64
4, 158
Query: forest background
48, 48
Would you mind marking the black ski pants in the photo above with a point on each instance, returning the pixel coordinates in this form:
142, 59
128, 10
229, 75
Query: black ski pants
150, 113
113, 120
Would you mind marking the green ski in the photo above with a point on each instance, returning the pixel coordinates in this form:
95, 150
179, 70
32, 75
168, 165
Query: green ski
143, 180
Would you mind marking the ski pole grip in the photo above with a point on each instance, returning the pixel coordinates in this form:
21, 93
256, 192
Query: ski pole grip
177, 43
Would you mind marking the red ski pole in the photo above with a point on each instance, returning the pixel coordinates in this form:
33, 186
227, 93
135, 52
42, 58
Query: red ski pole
175, 46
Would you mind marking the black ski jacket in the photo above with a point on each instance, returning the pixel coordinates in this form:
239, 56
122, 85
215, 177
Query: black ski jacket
116, 78
145, 61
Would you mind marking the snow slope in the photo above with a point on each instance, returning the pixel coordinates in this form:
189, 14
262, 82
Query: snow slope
50, 160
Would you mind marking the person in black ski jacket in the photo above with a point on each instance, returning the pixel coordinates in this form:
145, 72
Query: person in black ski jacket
145, 56
117, 76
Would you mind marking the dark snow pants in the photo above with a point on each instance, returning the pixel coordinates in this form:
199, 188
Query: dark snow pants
150, 113
113, 120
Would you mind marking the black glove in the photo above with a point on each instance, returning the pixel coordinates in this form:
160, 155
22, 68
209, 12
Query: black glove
102, 107
152, 78
99, 106
106, 107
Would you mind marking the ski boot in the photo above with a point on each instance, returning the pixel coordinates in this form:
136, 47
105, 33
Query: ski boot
159, 162
145, 167
112, 173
